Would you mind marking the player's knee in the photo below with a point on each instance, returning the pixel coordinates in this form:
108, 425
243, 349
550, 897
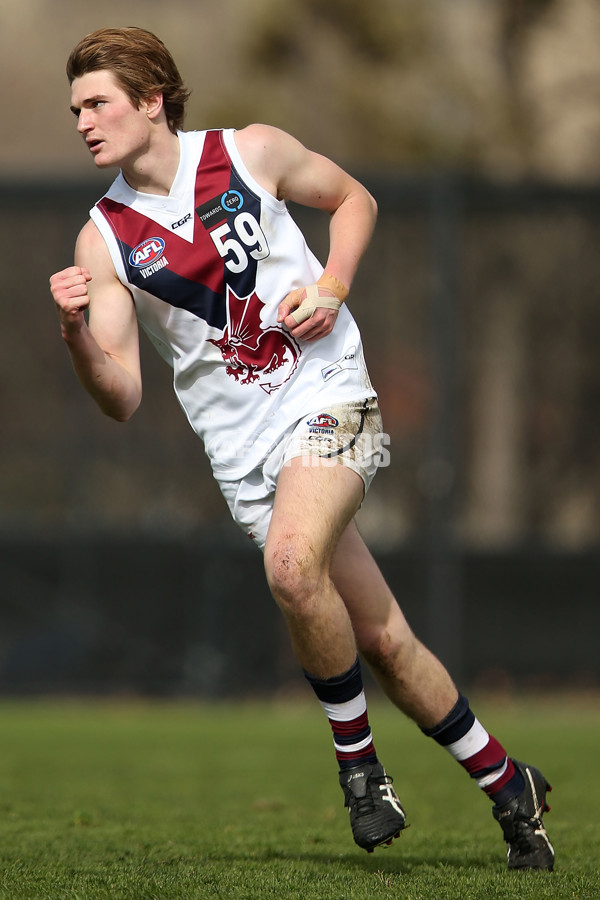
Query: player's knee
293, 574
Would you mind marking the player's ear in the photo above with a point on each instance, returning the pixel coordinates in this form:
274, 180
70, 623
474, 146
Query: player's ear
152, 106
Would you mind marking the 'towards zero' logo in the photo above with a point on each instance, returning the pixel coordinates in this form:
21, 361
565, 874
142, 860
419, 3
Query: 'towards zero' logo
266, 356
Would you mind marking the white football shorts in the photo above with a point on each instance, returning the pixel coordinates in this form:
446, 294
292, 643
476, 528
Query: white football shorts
348, 433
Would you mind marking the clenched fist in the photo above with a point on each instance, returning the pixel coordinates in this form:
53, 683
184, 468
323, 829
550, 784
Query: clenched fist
69, 289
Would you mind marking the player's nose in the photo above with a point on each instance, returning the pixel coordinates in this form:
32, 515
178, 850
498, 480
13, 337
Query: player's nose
84, 122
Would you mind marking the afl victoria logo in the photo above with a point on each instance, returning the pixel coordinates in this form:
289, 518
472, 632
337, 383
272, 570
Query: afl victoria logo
323, 420
146, 253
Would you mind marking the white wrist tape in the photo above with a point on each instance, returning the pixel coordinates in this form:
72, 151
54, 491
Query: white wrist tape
311, 302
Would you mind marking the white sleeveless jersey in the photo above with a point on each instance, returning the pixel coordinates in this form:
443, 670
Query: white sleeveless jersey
207, 267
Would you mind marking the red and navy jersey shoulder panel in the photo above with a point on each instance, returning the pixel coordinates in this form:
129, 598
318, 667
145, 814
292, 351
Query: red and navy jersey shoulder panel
221, 195
192, 276
160, 263
213, 173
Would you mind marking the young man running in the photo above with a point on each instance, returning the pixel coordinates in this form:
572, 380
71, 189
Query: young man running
194, 242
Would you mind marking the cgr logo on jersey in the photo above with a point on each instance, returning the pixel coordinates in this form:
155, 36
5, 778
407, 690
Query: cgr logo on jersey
148, 256
181, 222
324, 423
348, 361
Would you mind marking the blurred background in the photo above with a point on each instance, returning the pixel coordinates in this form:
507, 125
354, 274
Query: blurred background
476, 125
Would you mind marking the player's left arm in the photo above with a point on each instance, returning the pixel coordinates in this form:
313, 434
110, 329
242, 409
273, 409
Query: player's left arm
291, 172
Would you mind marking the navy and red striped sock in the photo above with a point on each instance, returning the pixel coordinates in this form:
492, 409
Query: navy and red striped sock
483, 757
343, 699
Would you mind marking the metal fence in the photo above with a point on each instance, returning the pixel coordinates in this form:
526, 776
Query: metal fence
478, 304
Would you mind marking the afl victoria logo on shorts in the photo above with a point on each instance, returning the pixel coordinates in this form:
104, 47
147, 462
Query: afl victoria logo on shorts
324, 423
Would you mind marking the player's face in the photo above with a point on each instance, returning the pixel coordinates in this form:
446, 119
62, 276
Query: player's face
114, 129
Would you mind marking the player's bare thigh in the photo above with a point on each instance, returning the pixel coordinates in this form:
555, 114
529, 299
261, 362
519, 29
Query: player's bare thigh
314, 502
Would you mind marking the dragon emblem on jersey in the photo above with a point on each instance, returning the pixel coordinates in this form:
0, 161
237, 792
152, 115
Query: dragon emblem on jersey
254, 354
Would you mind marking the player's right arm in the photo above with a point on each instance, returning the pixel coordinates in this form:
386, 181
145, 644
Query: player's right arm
105, 348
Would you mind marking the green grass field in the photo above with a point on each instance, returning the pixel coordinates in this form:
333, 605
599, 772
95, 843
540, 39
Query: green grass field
178, 800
